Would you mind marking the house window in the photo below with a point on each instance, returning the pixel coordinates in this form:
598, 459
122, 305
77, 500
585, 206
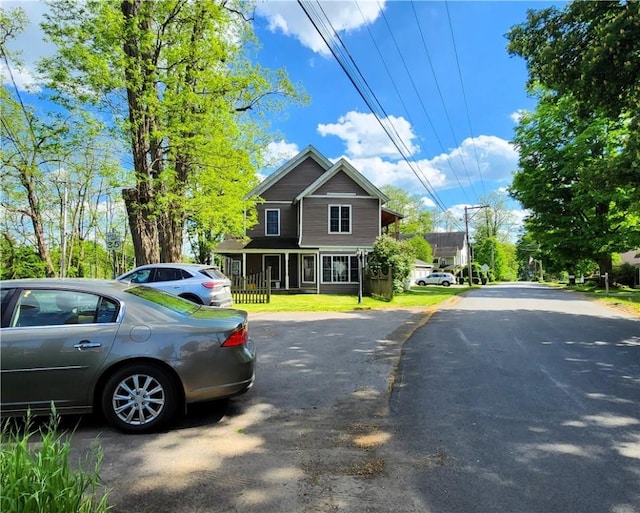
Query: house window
308, 268
339, 269
339, 218
272, 225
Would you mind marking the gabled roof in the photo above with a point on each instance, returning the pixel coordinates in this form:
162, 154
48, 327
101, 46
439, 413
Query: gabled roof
445, 239
349, 170
287, 167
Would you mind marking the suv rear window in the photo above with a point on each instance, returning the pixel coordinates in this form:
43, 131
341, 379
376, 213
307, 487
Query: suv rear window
214, 273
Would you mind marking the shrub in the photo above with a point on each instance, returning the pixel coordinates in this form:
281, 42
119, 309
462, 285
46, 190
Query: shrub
35, 476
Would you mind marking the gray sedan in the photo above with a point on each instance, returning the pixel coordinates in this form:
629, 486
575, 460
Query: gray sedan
136, 354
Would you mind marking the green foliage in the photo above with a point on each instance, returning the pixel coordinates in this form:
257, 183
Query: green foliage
626, 274
580, 151
421, 248
499, 256
391, 253
194, 110
417, 219
19, 261
38, 477
568, 178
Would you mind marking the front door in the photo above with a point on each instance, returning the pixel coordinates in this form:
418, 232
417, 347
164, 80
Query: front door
273, 261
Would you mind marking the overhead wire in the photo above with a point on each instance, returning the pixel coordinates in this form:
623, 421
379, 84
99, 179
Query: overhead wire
400, 96
444, 104
328, 33
415, 88
464, 96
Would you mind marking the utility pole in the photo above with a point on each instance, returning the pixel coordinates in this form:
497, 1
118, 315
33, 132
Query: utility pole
466, 227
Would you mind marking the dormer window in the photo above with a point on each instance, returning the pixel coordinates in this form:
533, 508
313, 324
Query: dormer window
339, 218
272, 225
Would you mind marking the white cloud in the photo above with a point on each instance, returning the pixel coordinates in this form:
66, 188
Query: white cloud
364, 137
30, 44
483, 158
290, 19
517, 115
280, 151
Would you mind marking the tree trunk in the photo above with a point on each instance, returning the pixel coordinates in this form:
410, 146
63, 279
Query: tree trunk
605, 265
142, 224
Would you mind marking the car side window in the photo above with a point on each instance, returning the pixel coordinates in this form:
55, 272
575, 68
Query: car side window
52, 307
168, 274
141, 276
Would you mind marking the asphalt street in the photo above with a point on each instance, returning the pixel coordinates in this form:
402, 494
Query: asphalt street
521, 399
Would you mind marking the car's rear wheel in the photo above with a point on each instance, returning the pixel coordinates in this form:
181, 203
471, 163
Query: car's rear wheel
445, 283
192, 298
139, 398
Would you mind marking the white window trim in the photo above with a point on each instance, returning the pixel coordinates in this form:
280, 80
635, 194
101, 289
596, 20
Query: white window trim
339, 219
331, 282
266, 224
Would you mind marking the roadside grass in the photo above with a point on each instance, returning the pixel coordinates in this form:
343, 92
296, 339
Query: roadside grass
416, 297
36, 474
619, 296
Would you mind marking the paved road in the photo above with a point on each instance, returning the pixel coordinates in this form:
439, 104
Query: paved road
521, 399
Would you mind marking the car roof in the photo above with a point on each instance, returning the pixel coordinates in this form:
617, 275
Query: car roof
176, 264
89, 284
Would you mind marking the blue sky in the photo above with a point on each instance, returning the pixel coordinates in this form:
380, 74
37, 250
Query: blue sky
439, 70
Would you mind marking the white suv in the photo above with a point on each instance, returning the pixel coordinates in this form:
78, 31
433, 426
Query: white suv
202, 284
437, 278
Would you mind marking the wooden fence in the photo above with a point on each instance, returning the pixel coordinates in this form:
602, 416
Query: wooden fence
380, 284
255, 288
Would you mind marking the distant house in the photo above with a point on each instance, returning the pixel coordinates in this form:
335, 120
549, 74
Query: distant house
631, 257
316, 217
420, 270
449, 249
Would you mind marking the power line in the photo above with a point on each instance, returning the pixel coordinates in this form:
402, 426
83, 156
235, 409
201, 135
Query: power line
349, 66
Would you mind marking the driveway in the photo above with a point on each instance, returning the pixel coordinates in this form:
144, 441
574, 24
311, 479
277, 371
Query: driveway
309, 437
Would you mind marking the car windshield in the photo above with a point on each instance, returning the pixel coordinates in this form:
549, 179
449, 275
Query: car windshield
173, 303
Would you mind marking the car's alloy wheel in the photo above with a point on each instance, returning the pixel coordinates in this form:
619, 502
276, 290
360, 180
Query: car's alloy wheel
139, 398
446, 283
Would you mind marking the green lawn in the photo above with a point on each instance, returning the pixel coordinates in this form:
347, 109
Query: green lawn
623, 296
417, 297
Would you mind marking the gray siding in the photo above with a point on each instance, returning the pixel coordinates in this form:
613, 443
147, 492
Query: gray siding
365, 222
341, 183
288, 220
296, 181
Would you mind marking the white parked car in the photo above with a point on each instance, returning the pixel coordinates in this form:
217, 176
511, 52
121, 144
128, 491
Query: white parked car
202, 284
437, 278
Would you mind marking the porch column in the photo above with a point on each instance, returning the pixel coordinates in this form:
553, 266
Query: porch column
286, 270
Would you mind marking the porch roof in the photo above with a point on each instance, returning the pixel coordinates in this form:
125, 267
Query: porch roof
267, 243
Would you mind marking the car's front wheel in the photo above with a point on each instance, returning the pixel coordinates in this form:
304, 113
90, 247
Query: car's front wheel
139, 398
422, 283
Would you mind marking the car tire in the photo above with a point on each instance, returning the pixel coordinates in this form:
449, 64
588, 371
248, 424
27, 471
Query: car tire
422, 283
192, 298
139, 398
445, 283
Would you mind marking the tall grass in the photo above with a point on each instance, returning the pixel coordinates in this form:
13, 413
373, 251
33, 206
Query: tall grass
36, 475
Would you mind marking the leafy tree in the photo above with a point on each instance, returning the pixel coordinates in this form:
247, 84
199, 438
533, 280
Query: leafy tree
177, 78
568, 179
390, 253
495, 220
499, 256
418, 219
589, 51
421, 248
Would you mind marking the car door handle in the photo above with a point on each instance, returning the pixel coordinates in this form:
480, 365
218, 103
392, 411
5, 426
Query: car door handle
85, 344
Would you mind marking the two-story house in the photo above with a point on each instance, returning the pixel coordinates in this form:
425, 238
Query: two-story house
450, 250
315, 219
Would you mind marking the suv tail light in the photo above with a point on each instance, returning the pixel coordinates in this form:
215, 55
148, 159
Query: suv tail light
209, 284
238, 337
